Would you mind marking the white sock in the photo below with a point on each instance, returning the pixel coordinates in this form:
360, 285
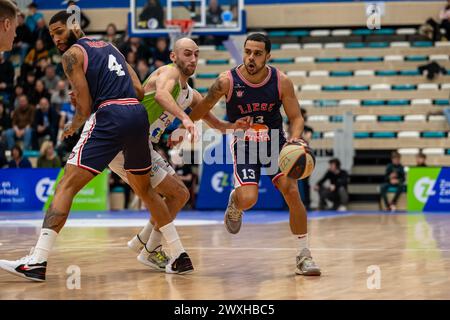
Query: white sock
302, 241
173, 240
144, 234
45, 243
154, 241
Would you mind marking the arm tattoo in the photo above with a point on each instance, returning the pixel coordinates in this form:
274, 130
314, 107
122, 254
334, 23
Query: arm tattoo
54, 219
69, 60
216, 90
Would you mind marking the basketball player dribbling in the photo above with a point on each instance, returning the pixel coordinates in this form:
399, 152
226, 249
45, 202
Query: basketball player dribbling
105, 89
258, 90
168, 95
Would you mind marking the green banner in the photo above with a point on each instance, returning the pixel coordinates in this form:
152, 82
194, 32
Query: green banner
93, 197
420, 184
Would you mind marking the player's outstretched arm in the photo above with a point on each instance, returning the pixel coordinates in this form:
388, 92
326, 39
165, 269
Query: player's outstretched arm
219, 88
72, 62
136, 83
291, 107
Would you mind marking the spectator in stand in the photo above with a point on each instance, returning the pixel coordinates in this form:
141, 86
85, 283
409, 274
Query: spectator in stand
22, 122
41, 32
143, 70
40, 91
421, 160
131, 60
214, 13
48, 157
112, 36
18, 91
18, 160
24, 38
51, 79
5, 120
6, 79
336, 192
152, 10
60, 95
394, 179
35, 54
84, 20
29, 83
161, 53
444, 17
46, 122
135, 45
33, 17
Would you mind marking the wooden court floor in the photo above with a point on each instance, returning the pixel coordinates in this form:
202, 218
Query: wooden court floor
411, 253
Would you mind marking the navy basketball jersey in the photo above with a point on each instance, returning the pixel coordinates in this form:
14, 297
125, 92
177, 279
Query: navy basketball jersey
262, 101
106, 72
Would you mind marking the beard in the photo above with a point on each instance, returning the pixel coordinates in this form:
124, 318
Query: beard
184, 69
71, 40
254, 69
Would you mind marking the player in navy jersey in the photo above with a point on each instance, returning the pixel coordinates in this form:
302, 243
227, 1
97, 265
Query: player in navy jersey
258, 90
105, 95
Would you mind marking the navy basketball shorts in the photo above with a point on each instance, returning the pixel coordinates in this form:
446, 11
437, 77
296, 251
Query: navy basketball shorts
249, 157
113, 128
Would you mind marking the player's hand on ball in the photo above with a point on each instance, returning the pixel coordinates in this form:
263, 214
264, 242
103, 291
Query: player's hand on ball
297, 140
68, 130
243, 123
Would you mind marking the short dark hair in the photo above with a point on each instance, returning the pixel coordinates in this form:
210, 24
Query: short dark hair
8, 9
259, 37
336, 162
395, 155
421, 155
61, 16
18, 149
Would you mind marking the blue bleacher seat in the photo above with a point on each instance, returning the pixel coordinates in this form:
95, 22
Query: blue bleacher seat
409, 72
277, 33
333, 88
383, 135
349, 59
326, 60
378, 45
398, 102
217, 61
276, 46
371, 59
317, 135
416, 58
221, 48
373, 102
385, 73
282, 60
442, 102
384, 31
361, 135
404, 87
362, 32
448, 151
355, 45
202, 89
390, 118
298, 33
31, 153
337, 118
422, 44
341, 73
327, 103
434, 134
357, 87
207, 75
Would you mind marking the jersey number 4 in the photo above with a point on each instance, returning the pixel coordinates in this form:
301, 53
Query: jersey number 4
113, 65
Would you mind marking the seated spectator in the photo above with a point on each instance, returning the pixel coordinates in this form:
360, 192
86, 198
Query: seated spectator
432, 70
214, 13
444, 17
39, 92
394, 178
131, 60
143, 70
18, 160
112, 36
23, 39
60, 95
22, 121
336, 192
135, 45
5, 119
161, 53
6, 79
46, 122
48, 157
33, 16
152, 10
42, 33
421, 160
50, 79
35, 54
18, 91
28, 84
